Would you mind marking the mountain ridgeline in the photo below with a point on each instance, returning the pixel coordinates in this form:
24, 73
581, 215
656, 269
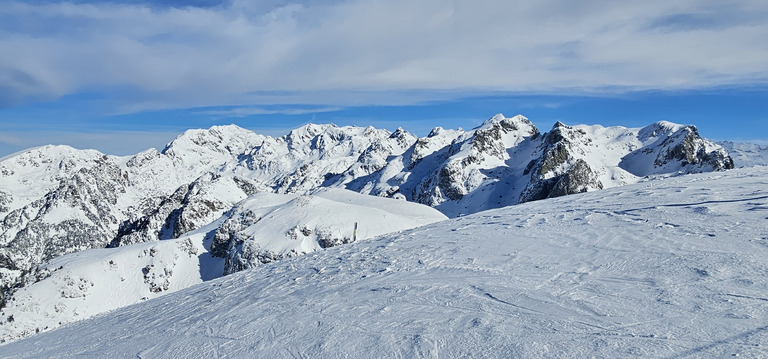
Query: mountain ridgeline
56, 200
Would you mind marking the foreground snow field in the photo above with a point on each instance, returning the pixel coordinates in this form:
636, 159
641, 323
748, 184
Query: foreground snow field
670, 268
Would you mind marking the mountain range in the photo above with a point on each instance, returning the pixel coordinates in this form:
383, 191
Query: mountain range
56, 200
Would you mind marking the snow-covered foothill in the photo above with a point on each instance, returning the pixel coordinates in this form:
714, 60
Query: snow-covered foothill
268, 227
83, 284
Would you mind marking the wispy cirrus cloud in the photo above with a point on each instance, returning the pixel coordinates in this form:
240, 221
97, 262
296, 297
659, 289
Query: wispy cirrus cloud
358, 52
239, 112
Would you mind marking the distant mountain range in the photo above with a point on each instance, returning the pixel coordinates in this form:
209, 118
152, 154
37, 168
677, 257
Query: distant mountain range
746, 154
56, 200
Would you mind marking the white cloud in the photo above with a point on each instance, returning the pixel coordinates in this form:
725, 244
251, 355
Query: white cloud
237, 112
375, 51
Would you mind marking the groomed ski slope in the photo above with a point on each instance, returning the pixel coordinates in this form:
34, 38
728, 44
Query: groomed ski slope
673, 268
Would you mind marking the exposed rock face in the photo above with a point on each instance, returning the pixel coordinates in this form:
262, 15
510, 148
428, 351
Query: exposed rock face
448, 165
691, 150
74, 216
674, 148
557, 172
228, 235
188, 208
5, 202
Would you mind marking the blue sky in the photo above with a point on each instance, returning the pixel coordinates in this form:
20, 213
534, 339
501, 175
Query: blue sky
122, 76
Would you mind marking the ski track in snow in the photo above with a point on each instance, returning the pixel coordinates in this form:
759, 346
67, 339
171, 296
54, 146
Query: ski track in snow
676, 268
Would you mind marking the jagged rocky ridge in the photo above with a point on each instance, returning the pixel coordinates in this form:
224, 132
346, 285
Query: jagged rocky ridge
56, 200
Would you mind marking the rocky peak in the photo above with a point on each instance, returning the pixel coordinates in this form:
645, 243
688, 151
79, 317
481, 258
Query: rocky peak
559, 170
510, 124
557, 133
305, 134
669, 148
435, 131
33, 172
400, 134
686, 146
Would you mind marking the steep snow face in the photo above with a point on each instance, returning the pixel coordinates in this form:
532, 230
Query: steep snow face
199, 151
666, 268
746, 154
263, 228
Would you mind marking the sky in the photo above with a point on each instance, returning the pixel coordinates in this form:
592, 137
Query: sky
121, 76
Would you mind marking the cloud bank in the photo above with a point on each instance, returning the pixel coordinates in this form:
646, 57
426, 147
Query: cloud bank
367, 52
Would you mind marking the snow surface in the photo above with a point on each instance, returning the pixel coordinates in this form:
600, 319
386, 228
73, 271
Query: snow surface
331, 211
666, 268
83, 284
746, 154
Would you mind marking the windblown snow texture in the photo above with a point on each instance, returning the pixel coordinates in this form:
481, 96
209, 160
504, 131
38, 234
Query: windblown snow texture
666, 268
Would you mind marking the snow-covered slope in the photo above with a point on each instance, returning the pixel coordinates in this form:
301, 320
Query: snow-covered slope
269, 227
667, 268
746, 154
262, 228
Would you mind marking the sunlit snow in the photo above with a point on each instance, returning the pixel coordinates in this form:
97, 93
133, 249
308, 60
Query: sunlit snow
665, 268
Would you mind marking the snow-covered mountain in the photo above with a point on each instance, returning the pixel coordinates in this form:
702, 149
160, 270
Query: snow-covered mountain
507, 161
746, 154
262, 228
56, 200
672, 267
